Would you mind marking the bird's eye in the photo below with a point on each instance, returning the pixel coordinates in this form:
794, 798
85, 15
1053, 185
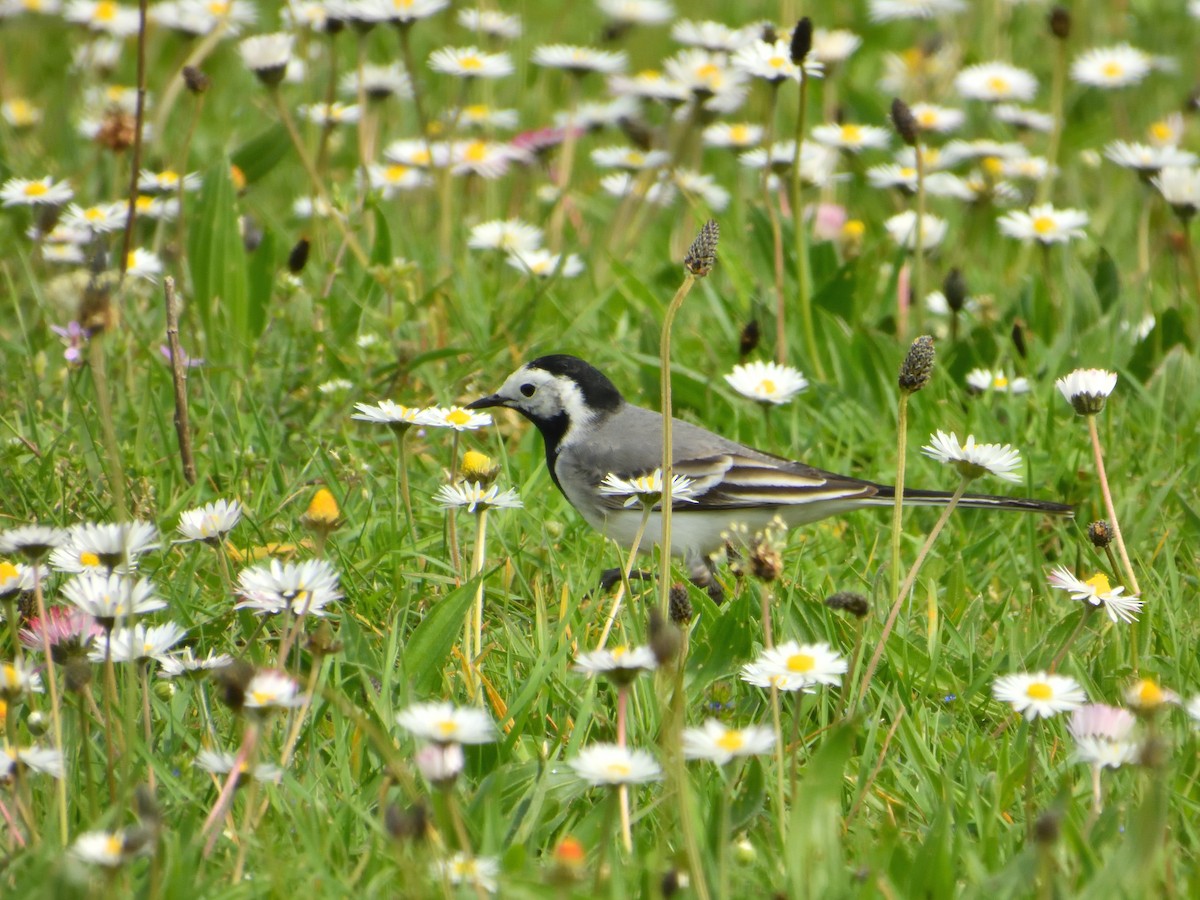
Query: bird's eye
528, 390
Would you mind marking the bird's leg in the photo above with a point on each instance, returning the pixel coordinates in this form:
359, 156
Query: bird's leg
611, 577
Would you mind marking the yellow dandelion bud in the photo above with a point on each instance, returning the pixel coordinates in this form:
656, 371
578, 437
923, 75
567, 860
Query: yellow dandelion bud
479, 467
322, 513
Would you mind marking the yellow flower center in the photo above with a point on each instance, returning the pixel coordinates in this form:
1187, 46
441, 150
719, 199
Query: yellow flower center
471, 63
146, 648
1099, 582
854, 228
1150, 694
1161, 131
649, 75
446, 727
999, 382
634, 158
927, 118
238, 177
395, 172
168, 177
739, 134
402, 4
105, 12
992, 165
731, 741
709, 72
458, 417
619, 652
113, 845
908, 172
8, 572
851, 134
998, 84
89, 559
422, 157
476, 151
618, 770
94, 214
913, 58
131, 260
1039, 690
476, 111
262, 698
1112, 69
8, 675
1043, 225
217, 8
801, 662
36, 189
21, 112
766, 387
777, 62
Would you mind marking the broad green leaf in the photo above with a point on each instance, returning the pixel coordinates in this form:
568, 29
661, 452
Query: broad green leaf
424, 656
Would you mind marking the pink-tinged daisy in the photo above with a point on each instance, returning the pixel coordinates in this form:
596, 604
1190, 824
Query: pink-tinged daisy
71, 632
1039, 694
1103, 736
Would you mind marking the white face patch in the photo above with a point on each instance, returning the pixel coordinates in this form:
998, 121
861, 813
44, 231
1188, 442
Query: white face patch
551, 395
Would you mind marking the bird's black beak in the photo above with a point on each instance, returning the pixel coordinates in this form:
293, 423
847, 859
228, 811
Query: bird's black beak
488, 402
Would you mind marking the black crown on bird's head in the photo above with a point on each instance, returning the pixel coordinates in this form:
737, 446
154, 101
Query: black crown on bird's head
598, 391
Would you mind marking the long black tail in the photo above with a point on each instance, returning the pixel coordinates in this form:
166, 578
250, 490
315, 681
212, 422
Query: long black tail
887, 496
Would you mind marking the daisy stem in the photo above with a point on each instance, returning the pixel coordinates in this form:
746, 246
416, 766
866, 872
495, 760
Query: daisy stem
13, 616
623, 790
245, 831
916, 294
85, 750
476, 572
109, 693
242, 761
668, 449
800, 235
1097, 797
1094, 433
405, 496
768, 640
780, 772
52, 690
1189, 256
364, 142
330, 96
909, 580
1029, 772
147, 723
293, 737
116, 475
1062, 651
624, 588
724, 838
314, 177
451, 513
898, 500
410, 66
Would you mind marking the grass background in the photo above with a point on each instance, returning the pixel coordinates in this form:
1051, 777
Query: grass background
934, 811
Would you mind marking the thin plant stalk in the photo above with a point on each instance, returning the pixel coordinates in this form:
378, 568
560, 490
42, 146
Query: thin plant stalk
916, 294
1062, 651
135, 159
242, 761
624, 588
402, 480
800, 235
780, 768
566, 168
477, 565
776, 228
1029, 776
147, 721
314, 177
898, 504
1094, 434
52, 691
668, 449
909, 580
623, 789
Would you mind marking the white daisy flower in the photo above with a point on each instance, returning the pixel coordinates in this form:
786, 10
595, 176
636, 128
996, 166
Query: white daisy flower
31, 541
543, 263
714, 37
649, 84
330, 114
378, 82
767, 382
418, 153
476, 497
637, 12
622, 184
1030, 168
646, 490
629, 158
99, 219
187, 663
476, 871
792, 666
210, 522
1103, 736
168, 181
974, 460
608, 764
107, 598
445, 723
852, 138
703, 188
1180, 187
1097, 591
35, 192
718, 742
160, 207
578, 60
1147, 158
104, 16
305, 588
833, 46
1087, 389
110, 849
491, 23
470, 62
1039, 694
16, 579
510, 235
440, 764
1111, 67
1147, 695
144, 264
995, 82
1166, 132
487, 159
221, 762
937, 119
390, 179
269, 690
707, 76
620, 664
45, 760
267, 55
1193, 705
893, 175
1044, 224
903, 230
18, 678
983, 380
385, 412
817, 163
405, 12
20, 113
772, 61
1023, 117
137, 644
734, 134
480, 115
454, 417
891, 10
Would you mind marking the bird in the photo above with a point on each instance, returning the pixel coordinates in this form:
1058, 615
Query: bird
591, 431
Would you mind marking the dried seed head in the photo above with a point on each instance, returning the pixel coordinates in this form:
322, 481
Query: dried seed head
117, 130
680, 604
233, 680
765, 561
954, 288
1046, 828
767, 33
1100, 533
409, 824
848, 601
917, 368
321, 642
750, 338
197, 82
702, 255
905, 122
802, 37
298, 258
78, 675
146, 805
665, 637
1060, 22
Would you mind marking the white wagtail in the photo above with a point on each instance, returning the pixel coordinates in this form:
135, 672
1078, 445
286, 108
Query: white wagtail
591, 431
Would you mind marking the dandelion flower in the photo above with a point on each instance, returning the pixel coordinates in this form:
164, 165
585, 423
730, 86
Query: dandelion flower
1039, 694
